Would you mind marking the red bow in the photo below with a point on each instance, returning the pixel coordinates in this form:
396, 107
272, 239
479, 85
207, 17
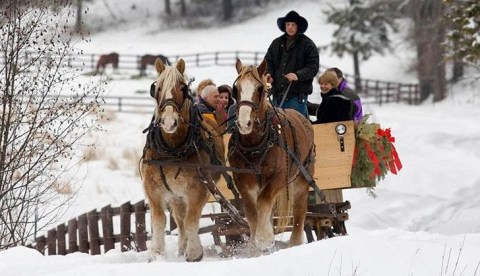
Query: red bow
395, 164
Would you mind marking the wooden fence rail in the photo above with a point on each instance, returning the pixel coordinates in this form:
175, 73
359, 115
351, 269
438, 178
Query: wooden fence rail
381, 91
94, 232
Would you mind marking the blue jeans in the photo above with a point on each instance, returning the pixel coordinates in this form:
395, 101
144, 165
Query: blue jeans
295, 102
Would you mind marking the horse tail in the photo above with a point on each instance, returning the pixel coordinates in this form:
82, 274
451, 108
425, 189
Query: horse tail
283, 210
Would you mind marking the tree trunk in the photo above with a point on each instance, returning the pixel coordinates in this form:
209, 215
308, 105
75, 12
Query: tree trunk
227, 10
183, 8
168, 10
356, 63
78, 22
356, 68
458, 70
429, 34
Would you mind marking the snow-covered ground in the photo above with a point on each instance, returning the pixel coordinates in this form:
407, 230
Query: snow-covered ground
424, 221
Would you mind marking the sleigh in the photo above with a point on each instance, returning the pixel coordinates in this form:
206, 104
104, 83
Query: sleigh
335, 144
272, 153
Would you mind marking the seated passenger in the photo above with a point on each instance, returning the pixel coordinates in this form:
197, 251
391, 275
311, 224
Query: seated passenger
208, 101
334, 107
202, 84
225, 101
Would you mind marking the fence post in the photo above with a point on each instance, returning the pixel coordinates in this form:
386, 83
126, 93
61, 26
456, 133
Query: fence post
107, 228
197, 59
92, 218
93, 62
62, 246
119, 104
52, 242
140, 233
72, 236
83, 233
399, 91
125, 213
365, 88
216, 58
41, 244
388, 93
378, 93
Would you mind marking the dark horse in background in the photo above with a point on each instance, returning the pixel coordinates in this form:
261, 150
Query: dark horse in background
111, 58
273, 142
150, 60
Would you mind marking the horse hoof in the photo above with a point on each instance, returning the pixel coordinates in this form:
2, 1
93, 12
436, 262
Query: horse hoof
154, 257
197, 259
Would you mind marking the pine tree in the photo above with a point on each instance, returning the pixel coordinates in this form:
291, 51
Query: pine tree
363, 29
464, 39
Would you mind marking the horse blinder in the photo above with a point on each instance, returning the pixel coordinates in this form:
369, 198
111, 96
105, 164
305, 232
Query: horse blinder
152, 89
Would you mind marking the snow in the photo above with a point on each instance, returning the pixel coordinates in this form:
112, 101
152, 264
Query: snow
424, 221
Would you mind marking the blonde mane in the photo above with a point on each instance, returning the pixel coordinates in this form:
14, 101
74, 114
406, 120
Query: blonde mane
167, 81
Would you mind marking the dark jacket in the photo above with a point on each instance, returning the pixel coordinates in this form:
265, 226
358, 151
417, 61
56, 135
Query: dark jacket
347, 91
334, 108
301, 58
204, 108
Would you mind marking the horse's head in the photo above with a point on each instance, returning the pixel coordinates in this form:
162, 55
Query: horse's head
251, 95
170, 92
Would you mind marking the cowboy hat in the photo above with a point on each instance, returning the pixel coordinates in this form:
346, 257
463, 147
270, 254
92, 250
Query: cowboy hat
293, 16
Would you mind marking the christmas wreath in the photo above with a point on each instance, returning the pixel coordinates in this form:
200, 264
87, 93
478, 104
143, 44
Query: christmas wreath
374, 155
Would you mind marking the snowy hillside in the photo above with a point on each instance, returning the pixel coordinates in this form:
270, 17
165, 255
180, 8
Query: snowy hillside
423, 221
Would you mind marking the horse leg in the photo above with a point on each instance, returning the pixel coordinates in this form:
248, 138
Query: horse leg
264, 233
196, 201
248, 188
178, 212
300, 195
159, 219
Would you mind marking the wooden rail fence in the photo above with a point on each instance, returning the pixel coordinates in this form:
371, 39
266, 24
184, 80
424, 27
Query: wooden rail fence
94, 232
381, 91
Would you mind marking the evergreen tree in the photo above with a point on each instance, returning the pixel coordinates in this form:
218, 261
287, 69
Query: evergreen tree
464, 39
363, 29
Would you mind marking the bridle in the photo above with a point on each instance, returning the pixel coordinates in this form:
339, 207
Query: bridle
254, 106
171, 102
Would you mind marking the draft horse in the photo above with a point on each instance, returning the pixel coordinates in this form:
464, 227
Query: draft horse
150, 60
265, 139
111, 58
175, 136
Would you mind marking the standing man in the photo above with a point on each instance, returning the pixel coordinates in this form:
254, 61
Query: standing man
293, 62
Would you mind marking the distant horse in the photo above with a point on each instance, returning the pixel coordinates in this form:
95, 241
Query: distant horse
261, 140
150, 60
106, 59
177, 135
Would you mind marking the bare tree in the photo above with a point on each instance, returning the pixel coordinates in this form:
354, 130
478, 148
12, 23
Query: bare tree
45, 113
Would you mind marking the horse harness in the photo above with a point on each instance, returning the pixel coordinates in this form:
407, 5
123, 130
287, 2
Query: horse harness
273, 134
